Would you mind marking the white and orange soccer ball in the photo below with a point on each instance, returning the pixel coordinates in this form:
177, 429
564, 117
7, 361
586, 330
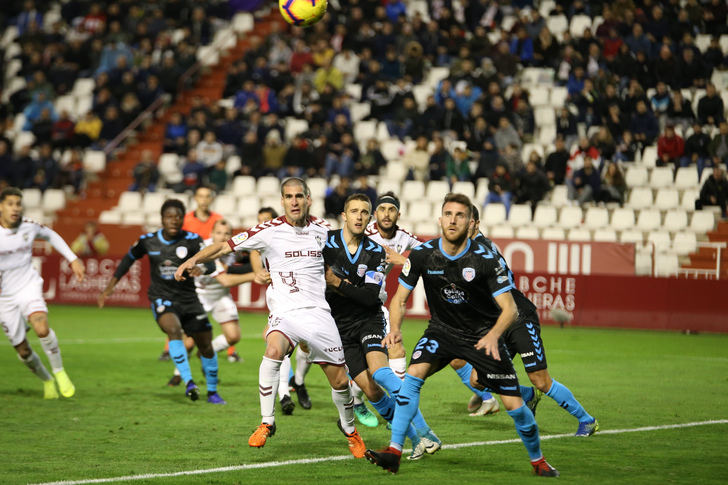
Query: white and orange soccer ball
302, 13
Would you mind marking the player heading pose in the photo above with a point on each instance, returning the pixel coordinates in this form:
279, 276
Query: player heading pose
175, 304
292, 248
469, 294
523, 337
21, 291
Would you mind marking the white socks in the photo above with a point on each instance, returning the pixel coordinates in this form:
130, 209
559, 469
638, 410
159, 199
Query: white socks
302, 366
345, 405
356, 393
283, 378
50, 347
36, 366
399, 366
220, 343
268, 387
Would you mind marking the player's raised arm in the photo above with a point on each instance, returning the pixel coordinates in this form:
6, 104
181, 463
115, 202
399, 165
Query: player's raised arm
206, 255
137, 251
60, 245
509, 314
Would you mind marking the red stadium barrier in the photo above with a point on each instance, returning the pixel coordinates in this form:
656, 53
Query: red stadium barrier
624, 301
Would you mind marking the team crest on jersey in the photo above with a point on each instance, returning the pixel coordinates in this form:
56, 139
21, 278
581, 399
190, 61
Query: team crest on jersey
468, 274
319, 241
161, 308
25, 236
240, 238
181, 252
406, 267
453, 294
361, 270
502, 279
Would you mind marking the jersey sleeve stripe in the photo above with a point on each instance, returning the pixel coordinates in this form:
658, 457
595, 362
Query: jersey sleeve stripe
503, 290
401, 282
231, 244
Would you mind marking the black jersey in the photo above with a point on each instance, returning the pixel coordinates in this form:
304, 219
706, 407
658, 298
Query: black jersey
356, 301
164, 258
460, 289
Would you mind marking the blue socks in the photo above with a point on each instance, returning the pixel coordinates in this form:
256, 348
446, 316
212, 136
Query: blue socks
527, 429
384, 376
527, 393
385, 407
564, 398
408, 400
209, 367
178, 352
464, 373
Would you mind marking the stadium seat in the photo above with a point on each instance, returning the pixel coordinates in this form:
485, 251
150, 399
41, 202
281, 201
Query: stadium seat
83, 87
675, 220
605, 235
392, 149
553, 234
465, 188
208, 55
660, 240
546, 135
530, 147
661, 177
248, 205
437, 190
153, 201
412, 190
295, 127
685, 243
557, 24
23, 139
702, 221
53, 200
666, 264
243, 22
560, 196
648, 220
649, 156
636, 177
130, 202
640, 198
421, 93
579, 234
268, 186
667, 199
154, 220
545, 7
426, 228
578, 24
538, 96
622, 219
481, 191
94, 161
133, 218
110, 217
436, 75
570, 217
169, 168
232, 164
243, 185
702, 42
519, 215
494, 214
65, 103
32, 198
385, 185
559, 94
504, 232
419, 210
359, 111
353, 90
545, 216
364, 130
686, 178
545, 116
225, 204
596, 218
318, 187
527, 232
688, 199
395, 171
631, 236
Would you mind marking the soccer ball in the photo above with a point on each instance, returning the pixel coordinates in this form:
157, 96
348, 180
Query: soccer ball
302, 13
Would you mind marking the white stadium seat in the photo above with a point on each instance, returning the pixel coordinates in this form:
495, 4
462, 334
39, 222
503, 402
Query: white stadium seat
649, 156
465, 188
553, 233
248, 206
605, 235
578, 234
527, 232
660, 240
623, 219
395, 171
426, 228
578, 24
661, 177
545, 216
386, 185
268, 186
702, 221
318, 187
631, 236
505, 232
640, 198
686, 178
560, 195
493, 214
675, 220
419, 210
53, 200
133, 218
519, 215
412, 190
596, 217
243, 185
636, 177
688, 199
110, 217
437, 190
32, 198
570, 217
225, 204
685, 243
153, 202
130, 202
667, 199
666, 264
648, 220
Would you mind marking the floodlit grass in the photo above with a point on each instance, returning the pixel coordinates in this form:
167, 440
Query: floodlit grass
125, 421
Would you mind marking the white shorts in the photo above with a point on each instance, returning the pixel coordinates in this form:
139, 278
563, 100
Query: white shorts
386, 320
316, 328
222, 309
15, 310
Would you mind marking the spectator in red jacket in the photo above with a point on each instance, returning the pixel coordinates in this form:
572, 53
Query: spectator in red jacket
671, 148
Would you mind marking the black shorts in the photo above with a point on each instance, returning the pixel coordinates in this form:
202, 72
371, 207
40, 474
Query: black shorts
524, 338
191, 314
438, 347
361, 340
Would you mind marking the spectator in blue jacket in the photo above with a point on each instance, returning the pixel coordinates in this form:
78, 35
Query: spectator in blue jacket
586, 183
644, 125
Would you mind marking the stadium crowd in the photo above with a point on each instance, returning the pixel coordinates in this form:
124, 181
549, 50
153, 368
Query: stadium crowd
629, 75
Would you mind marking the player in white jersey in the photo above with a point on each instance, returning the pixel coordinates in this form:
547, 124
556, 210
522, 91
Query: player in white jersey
21, 291
292, 248
396, 241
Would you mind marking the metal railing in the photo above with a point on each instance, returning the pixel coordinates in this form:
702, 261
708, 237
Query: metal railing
704, 272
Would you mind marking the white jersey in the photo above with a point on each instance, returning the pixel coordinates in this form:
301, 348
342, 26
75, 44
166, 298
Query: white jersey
401, 242
294, 258
16, 252
207, 285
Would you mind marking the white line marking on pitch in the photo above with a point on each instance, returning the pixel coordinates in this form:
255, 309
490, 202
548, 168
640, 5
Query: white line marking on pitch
306, 461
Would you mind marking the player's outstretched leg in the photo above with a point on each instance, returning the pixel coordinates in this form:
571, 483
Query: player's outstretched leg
482, 403
297, 382
527, 429
284, 395
267, 387
33, 362
361, 411
588, 425
49, 342
345, 405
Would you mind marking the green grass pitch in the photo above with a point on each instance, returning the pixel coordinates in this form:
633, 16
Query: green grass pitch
124, 421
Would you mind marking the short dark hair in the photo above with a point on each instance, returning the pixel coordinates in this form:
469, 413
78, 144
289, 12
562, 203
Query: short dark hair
176, 203
296, 181
476, 213
8, 191
460, 199
269, 210
388, 198
359, 196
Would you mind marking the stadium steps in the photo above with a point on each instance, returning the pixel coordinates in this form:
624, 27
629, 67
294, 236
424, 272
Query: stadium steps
704, 258
103, 194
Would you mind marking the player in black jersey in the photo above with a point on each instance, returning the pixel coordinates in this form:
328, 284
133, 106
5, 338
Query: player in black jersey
354, 278
523, 337
471, 303
175, 304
